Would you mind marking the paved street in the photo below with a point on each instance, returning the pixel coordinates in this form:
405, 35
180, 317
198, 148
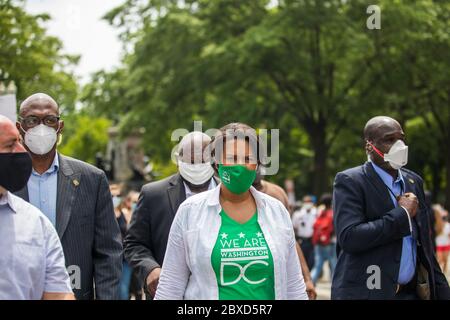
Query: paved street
323, 287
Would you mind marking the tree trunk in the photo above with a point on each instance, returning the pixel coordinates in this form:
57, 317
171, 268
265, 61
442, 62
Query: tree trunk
320, 169
436, 181
447, 164
447, 182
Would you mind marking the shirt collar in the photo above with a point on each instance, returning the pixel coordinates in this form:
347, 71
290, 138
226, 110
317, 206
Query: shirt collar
4, 198
387, 178
54, 167
214, 200
189, 192
8, 199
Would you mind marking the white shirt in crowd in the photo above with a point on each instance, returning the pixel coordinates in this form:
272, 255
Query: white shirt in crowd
187, 272
443, 239
303, 221
31, 255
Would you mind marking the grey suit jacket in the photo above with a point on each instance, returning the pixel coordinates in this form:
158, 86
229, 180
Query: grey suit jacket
88, 230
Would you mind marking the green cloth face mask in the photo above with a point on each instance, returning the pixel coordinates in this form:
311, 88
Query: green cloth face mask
236, 178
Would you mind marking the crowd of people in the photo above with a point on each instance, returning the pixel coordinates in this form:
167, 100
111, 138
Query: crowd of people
216, 229
314, 230
442, 232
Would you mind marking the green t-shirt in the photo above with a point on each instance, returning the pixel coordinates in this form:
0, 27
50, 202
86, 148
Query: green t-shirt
242, 261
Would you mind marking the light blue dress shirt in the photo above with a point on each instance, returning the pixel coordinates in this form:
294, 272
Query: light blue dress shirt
31, 259
409, 248
42, 190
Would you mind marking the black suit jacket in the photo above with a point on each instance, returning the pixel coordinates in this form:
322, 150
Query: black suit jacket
370, 231
146, 240
88, 230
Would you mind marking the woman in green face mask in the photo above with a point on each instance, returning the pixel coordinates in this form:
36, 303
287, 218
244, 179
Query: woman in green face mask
232, 242
237, 171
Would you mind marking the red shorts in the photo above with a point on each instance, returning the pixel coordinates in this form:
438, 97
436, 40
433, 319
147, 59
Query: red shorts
443, 248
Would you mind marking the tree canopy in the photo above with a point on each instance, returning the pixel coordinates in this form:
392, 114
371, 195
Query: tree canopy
310, 68
32, 59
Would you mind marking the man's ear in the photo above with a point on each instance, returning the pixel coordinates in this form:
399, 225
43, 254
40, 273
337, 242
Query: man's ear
19, 127
59, 133
61, 126
369, 148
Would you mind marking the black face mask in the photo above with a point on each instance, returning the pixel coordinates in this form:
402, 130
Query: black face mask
15, 170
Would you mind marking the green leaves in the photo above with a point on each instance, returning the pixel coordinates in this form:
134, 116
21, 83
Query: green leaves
32, 59
310, 68
84, 136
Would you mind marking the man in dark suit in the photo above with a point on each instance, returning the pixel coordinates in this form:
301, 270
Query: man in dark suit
146, 240
75, 197
383, 225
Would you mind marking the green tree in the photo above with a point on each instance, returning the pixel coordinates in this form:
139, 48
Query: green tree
33, 59
84, 136
426, 155
223, 61
310, 68
415, 50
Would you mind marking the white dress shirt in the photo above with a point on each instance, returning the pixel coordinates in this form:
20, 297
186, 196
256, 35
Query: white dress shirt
303, 221
31, 259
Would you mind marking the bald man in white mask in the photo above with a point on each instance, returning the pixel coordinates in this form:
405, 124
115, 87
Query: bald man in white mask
193, 166
146, 240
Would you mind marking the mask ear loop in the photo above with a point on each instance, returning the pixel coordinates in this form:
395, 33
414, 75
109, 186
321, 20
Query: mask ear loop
177, 157
59, 134
21, 128
376, 150
59, 139
59, 127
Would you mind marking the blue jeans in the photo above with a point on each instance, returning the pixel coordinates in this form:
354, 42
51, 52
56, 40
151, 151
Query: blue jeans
125, 281
322, 254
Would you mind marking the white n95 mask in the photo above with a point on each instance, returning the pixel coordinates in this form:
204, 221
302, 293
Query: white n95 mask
40, 139
397, 156
197, 174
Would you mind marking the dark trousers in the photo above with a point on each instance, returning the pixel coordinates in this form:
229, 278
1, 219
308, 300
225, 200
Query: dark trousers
308, 251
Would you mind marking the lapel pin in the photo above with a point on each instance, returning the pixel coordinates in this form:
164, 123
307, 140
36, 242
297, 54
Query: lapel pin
75, 182
411, 180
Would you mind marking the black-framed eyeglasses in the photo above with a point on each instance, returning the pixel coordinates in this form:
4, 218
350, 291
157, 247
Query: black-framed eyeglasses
33, 121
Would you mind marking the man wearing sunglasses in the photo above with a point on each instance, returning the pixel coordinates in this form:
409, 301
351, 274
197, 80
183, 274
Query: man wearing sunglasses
75, 197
